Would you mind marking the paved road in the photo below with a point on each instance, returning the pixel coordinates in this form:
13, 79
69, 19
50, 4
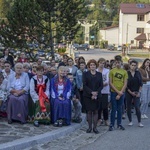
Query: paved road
97, 53
133, 138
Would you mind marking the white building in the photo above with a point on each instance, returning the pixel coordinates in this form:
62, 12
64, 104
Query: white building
110, 34
134, 26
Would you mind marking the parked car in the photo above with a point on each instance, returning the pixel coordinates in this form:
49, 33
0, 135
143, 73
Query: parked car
41, 53
119, 48
48, 56
110, 47
75, 46
83, 47
57, 58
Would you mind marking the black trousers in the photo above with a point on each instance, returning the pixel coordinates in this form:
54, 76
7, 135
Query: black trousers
82, 101
103, 107
136, 100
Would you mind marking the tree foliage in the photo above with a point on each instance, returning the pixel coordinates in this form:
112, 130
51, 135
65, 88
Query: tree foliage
40, 21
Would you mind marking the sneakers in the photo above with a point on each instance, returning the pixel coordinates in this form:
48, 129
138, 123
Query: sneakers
130, 124
141, 125
111, 128
144, 117
121, 127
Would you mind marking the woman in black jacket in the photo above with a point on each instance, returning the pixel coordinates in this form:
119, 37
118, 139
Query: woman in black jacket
133, 92
92, 86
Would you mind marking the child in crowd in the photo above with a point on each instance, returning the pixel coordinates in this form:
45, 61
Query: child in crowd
75, 97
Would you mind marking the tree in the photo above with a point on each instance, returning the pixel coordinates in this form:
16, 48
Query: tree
34, 21
5, 5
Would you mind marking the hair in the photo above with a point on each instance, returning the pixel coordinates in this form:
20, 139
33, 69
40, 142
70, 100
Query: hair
54, 68
2, 59
126, 66
82, 63
44, 65
118, 58
101, 59
61, 68
133, 61
81, 57
143, 65
34, 63
18, 64
38, 68
7, 62
92, 61
69, 74
26, 65
65, 56
69, 59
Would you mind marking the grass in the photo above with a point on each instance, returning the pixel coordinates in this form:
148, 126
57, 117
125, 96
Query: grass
139, 55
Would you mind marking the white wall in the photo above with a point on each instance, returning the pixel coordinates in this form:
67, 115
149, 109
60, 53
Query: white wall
110, 35
128, 25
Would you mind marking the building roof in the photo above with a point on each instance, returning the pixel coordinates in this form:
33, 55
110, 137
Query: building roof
110, 27
140, 37
133, 8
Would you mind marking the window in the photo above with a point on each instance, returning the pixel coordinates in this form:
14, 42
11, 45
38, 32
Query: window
140, 30
140, 17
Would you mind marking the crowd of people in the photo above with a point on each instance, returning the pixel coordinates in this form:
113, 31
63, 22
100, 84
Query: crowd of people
43, 94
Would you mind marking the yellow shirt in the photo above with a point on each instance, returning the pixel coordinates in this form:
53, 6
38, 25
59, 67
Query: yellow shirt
118, 76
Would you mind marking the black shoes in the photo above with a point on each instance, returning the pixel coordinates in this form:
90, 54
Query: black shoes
95, 131
88, 130
111, 128
9, 121
121, 127
58, 123
36, 123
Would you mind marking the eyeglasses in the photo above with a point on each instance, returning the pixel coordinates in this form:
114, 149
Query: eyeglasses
133, 65
6, 66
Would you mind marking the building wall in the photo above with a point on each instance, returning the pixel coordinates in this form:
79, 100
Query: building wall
110, 35
128, 25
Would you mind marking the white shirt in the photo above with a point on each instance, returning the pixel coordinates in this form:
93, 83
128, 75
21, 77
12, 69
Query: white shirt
105, 75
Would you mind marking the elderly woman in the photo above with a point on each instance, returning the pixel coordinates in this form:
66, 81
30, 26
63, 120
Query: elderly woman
92, 86
18, 86
60, 91
39, 91
3, 96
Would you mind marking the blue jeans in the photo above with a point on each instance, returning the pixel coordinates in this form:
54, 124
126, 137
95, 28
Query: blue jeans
116, 107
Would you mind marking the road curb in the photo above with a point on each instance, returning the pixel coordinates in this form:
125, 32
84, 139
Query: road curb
42, 138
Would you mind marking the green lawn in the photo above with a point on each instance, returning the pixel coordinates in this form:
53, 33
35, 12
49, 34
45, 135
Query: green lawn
139, 55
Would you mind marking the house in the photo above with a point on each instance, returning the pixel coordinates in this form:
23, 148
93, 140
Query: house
134, 26
110, 34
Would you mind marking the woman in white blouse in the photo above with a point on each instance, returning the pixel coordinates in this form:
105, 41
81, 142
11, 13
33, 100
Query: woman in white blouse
18, 86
